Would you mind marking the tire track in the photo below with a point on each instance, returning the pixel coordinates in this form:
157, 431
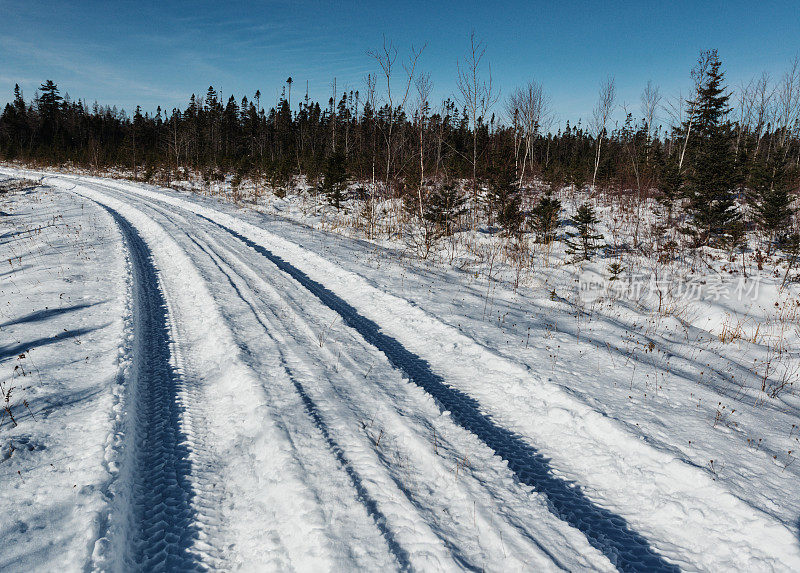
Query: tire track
396, 554
225, 254
363, 495
225, 261
314, 411
162, 523
606, 531
468, 414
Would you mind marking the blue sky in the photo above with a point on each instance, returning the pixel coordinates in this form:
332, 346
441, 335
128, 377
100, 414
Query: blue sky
158, 53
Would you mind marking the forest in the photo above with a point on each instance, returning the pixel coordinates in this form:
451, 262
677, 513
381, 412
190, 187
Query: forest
722, 164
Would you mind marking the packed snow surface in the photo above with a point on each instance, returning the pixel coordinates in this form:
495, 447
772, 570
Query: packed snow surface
197, 386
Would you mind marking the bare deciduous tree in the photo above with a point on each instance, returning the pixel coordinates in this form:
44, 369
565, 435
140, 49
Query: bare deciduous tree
369, 207
386, 58
745, 102
754, 106
601, 116
370, 101
530, 108
424, 87
788, 101
763, 105
650, 103
477, 95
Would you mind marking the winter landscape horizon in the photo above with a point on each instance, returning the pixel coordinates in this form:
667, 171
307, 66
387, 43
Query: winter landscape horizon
316, 287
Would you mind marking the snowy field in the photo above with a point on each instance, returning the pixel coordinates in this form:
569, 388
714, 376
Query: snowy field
188, 384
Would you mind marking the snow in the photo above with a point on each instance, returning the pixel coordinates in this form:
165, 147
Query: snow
237, 390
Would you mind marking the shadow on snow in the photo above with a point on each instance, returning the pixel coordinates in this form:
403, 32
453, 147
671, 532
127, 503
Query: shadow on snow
605, 530
162, 519
41, 315
17, 349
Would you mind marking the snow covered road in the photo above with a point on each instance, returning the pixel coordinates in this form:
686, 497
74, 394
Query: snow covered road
280, 411
366, 459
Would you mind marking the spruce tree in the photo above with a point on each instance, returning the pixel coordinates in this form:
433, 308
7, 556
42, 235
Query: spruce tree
50, 112
19, 102
503, 197
49, 100
710, 180
279, 176
670, 183
791, 246
770, 182
334, 180
583, 241
13, 125
545, 218
444, 207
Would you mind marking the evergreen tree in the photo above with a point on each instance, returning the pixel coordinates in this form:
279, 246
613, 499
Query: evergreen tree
50, 111
710, 180
13, 124
583, 241
670, 187
545, 217
334, 180
503, 197
770, 194
19, 102
280, 176
615, 269
216, 138
49, 100
444, 207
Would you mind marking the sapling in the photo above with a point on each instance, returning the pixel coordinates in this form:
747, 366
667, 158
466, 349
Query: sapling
583, 241
544, 218
616, 269
334, 179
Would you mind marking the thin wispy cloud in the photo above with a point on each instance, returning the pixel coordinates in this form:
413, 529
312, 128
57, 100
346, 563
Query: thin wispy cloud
83, 67
158, 54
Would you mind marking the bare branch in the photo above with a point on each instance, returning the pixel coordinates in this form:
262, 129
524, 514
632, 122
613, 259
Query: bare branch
650, 103
601, 115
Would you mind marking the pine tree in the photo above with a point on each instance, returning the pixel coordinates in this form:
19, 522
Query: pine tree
334, 178
583, 241
545, 218
710, 180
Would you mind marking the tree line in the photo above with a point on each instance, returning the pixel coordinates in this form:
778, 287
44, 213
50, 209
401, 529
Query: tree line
727, 160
